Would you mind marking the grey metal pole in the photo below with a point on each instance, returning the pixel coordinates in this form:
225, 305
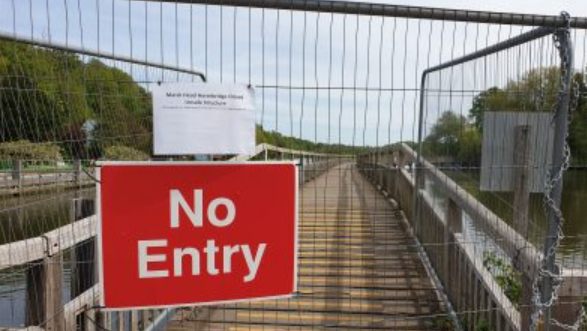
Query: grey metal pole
111, 56
377, 9
558, 161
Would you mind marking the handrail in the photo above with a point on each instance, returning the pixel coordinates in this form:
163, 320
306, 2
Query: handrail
261, 148
512, 243
523, 252
48, 244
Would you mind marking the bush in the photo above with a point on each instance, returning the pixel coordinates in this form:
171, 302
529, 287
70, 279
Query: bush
508, 278
29, 151
124, 153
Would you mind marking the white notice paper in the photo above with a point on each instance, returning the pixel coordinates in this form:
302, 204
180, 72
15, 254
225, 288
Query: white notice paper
197, 118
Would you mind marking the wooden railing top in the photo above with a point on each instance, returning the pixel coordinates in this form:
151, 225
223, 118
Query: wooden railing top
261, 148
48, 244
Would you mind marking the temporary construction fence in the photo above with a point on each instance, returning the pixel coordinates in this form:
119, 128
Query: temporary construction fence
410, 91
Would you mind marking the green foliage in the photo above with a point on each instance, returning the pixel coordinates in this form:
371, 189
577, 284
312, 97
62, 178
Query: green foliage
27, 151
578, 127
453, 136
48, 95
277, 139
124, 153
445, 135
536, 91
482, 325
470, 146
443, 323
508, 278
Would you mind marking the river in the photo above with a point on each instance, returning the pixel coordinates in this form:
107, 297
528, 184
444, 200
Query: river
41, 213
573, 248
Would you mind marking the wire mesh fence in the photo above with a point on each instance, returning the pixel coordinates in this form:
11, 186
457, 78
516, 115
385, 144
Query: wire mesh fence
331, 78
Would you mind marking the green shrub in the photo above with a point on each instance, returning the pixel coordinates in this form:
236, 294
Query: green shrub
508, 278
124, 153
28, 151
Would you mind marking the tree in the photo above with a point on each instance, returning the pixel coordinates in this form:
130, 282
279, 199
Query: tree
536, 91
47, 96
445, 135
578, 127
470, 146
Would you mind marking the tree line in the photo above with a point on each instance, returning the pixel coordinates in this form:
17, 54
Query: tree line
86, 109
459, 136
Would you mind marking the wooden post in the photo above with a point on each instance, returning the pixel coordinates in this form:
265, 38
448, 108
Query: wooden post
134, 321
35, 294
17, 173
146, 317
53, 293
77, 172
119, 321
100, 320
453, 226
43, 295
401, 163
521, 178
521, 206
454, 215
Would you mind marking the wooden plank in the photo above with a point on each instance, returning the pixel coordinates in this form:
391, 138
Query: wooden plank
358, 268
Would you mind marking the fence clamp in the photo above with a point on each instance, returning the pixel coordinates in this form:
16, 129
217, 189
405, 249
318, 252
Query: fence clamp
50, 247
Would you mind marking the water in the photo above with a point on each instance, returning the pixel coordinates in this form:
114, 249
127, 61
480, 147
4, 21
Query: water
41, 213
573, 248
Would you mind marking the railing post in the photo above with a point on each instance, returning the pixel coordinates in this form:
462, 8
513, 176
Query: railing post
134, 320
120, 321
44, 290
454, 217
17, 173
401, 163
77, 172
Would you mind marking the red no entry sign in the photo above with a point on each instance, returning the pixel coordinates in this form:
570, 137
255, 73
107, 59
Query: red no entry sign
184, 233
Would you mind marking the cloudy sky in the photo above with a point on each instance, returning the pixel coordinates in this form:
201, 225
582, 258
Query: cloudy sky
323, 77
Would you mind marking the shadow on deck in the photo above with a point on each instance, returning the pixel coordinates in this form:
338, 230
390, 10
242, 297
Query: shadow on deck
358, 269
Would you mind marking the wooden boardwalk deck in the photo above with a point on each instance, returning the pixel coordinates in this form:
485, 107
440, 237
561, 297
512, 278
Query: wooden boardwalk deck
358, 269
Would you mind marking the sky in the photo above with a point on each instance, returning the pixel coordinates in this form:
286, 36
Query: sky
322, 77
